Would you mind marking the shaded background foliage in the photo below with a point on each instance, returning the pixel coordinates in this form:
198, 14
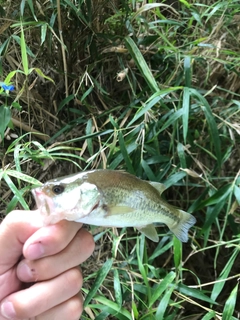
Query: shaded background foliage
151, 88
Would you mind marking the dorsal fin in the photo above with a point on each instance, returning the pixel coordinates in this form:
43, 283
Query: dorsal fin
158, 186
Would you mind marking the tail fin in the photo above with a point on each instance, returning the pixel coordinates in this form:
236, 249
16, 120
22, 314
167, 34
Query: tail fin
181, 229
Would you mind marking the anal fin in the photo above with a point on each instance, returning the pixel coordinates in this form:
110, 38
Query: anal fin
150, 232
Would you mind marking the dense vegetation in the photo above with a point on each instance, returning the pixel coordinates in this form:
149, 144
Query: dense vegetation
150, 88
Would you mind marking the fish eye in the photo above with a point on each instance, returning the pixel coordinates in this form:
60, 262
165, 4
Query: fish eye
58, 189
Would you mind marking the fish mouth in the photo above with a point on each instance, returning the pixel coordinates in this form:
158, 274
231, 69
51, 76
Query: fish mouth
96, 206
44, 204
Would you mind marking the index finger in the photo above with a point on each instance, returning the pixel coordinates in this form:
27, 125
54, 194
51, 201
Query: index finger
15, 229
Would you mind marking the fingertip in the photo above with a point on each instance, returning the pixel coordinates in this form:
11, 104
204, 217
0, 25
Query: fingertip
8, 310
89, 241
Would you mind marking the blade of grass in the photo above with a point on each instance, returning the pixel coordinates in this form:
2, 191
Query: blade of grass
117, 288
230, 304
161, 309
164, 284
101, 275
152, 101
212, 124
218, 286
185, 115
125, 153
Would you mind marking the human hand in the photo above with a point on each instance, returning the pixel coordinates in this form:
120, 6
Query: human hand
46, 256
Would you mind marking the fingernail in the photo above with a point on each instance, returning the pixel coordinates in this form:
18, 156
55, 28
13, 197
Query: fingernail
25, 273
7, 310
35, 251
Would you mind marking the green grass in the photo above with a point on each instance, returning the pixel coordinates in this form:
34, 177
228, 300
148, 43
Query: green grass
173, 118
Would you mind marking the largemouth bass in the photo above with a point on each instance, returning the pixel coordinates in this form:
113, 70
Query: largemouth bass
112, 199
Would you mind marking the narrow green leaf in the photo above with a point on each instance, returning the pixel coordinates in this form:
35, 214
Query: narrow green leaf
65, 101
161, 309
147, 169
22, 6
10, 76
209, 315
43, 32
30, 3
14, 201
194, 293
173, 179
187, 71
24, 53
212, 216
237, 193
29, 52
119, 313
117, 288
218, 286
88, 132
5, 117
141, 64
23, 177
2, 172
151, 6
4, 46
177, 252
125, 153
15, 191
119, 158
17, 150
101, 275
185, 115
164, 284
219, 196
41, 74
230, 304
212, 124
175, 115
151, 102
181, 155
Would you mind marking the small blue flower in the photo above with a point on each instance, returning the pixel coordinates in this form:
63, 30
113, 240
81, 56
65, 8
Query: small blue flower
6, 87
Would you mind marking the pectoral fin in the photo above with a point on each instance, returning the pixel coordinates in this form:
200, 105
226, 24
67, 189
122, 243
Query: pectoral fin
116, 210
150, 232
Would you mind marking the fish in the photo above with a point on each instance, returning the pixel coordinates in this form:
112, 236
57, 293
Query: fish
111, 198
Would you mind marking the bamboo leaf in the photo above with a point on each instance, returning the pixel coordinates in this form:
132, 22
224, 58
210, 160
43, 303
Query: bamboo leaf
15, 191
24, 53
141, 64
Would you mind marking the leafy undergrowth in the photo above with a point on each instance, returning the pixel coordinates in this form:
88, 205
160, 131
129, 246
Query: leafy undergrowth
152, 89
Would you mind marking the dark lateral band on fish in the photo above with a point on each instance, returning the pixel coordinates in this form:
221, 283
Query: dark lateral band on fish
113, 199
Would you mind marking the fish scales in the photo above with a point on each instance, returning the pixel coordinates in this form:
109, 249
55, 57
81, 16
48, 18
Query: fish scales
111, 198
147, 192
